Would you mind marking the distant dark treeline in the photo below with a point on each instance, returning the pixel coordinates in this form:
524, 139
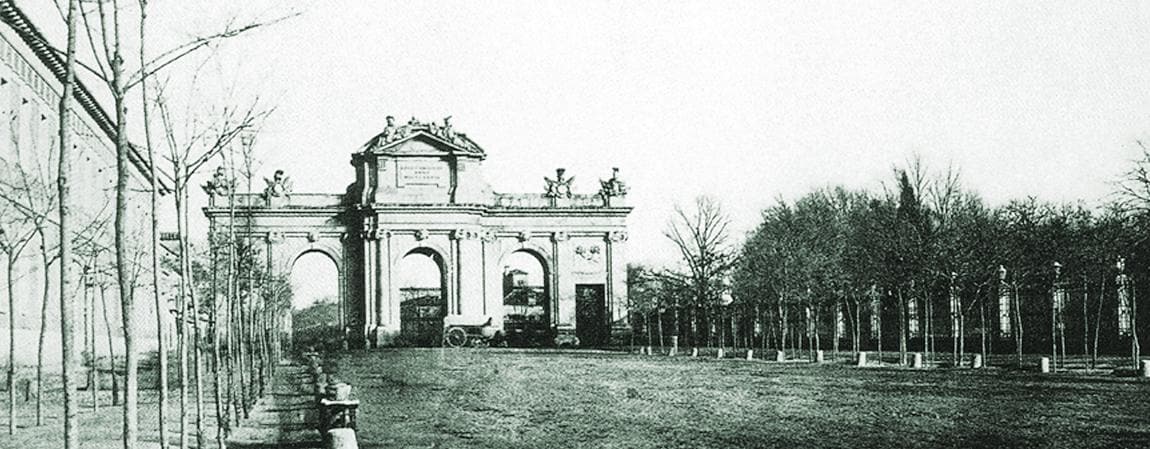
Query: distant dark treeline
916, 266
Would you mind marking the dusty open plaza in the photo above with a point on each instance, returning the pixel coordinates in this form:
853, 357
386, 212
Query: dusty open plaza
527, 399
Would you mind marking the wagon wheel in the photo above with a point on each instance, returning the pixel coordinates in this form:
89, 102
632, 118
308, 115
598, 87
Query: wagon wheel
455, 337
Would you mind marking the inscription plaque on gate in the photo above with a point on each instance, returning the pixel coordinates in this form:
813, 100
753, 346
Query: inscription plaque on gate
422, 173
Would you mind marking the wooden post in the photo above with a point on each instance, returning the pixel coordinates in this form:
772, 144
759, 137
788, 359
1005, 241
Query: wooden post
1146, 368
721, 353
694, 352
977, 362
750, 354
862, 358
674, 345
819, 356
1044, 365
916, 362
780, 356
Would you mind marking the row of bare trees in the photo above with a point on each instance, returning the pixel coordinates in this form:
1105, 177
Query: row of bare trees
97, 44
908, 266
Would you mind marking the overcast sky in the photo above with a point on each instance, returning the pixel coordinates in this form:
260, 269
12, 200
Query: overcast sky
747, 101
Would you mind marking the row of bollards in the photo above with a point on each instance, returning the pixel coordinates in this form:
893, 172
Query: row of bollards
976, 361
337, 411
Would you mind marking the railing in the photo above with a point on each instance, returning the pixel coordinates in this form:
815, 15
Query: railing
541, 201
257, 200
323, 200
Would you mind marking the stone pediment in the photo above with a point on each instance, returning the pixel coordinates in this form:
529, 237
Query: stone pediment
419, 145
422, 139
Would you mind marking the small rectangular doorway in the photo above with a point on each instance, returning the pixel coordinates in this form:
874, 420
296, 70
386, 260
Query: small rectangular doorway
590, 322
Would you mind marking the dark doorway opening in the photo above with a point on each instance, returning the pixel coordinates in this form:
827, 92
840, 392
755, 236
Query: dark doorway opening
590, 321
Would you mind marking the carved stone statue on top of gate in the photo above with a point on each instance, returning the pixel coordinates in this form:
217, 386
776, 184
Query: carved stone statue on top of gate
278, 189
612, 188
220, 185
559, 187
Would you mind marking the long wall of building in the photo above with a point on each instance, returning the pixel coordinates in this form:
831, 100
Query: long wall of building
29, 100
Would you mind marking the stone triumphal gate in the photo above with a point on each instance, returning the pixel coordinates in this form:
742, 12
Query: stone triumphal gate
419, 190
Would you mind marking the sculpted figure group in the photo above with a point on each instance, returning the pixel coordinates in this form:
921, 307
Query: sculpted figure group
392, 132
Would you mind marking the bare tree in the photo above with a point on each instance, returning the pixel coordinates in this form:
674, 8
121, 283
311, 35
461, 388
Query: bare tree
704, 243
189, 148
103, 27
27, 188
15, 234
154, 197
67, 305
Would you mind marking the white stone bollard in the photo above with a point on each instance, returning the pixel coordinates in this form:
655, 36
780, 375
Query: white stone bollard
862, 358
1044, 365
916, 362
819, 356
694, 352
977, 362
750, 354
780, 356
1146, 368
721, 353
341, 438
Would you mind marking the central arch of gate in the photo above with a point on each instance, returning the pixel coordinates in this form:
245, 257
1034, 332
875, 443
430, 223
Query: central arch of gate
419, 189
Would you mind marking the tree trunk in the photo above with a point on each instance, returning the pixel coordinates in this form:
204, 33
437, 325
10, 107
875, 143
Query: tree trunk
901, 328
879, 322
659, 317
154, 197
784, 330
222, 421
961, 332
1085, 318
69, 358
90, 343
44, 302
1054, 328
1018, 318
925, 327
197, 352
111, 348
123, 260
182, 303
694, 325
647, 327
11, 343
1135, 348
839, 318
982, 323
1098, 321
817, 343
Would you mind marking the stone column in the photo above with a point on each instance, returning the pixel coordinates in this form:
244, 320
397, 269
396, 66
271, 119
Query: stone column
492, 282
616, 277
558, 240
469, 269
369, 259
382, 280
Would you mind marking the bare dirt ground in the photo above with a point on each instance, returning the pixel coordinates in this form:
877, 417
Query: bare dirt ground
503, 398
532, 398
